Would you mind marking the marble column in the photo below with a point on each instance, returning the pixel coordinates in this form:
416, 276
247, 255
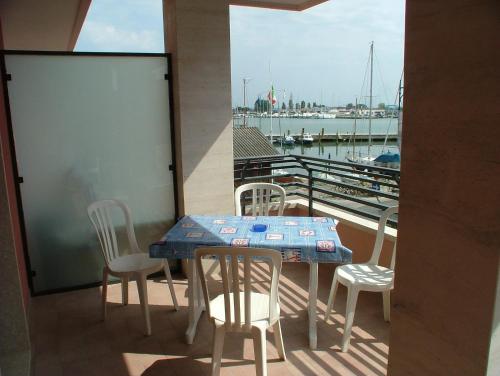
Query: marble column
197, 36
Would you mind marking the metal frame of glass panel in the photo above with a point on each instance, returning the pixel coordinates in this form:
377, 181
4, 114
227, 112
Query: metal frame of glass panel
19, 180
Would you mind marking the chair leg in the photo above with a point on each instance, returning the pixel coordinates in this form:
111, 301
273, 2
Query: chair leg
386, 297
331, 297
229, 278
278, 340
170, 284
259, 345
104, 291
124, 290
142, 287
352, 298
218, 345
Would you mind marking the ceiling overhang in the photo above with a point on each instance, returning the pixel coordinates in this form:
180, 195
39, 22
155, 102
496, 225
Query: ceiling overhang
56, 24
296, 5
42, 25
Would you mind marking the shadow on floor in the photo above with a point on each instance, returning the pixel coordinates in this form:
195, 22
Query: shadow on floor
70, 339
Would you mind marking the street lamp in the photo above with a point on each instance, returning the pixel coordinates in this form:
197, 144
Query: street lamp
245, 81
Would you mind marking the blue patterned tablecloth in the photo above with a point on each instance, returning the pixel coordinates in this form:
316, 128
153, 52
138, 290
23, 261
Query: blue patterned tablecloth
299, 239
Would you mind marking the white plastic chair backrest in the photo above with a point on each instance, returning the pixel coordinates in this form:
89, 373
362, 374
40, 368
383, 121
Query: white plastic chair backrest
379, 240
230, 257
261, 197
100, 214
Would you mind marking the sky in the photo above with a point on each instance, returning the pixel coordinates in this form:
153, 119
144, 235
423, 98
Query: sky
318, 55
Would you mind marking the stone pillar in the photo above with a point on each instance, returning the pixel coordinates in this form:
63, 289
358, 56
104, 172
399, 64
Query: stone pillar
197, 36
447, 267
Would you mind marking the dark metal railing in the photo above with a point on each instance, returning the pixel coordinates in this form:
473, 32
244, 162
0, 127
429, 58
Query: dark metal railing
361, 189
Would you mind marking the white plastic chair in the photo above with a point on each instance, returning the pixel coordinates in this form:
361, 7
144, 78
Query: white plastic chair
246, 311
365, 277
136, 265
261, 197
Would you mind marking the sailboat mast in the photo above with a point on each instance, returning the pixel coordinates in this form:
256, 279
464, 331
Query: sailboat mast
354, 136
270, 97
245, 80
371, 99
399, 94
400, 114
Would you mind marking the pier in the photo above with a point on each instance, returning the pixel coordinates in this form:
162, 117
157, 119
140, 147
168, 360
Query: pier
341, 137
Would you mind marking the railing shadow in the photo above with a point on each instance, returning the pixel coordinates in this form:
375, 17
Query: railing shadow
68, 330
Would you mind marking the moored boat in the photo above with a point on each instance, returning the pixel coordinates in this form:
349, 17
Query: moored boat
388, 159
307, 138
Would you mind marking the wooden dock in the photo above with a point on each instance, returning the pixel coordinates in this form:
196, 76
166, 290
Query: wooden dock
342, 137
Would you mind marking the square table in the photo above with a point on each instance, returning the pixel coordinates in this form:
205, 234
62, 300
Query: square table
299, 239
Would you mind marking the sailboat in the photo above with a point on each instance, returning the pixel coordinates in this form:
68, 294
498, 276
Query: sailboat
386, 159
367, 159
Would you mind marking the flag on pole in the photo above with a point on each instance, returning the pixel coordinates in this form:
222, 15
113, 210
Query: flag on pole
271, 96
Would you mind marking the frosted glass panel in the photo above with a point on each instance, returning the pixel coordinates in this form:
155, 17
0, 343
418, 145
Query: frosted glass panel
88, 128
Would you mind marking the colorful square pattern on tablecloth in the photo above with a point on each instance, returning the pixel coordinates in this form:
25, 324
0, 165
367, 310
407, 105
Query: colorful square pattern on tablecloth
299, 239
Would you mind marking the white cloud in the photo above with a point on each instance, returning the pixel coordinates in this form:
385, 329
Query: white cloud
107, 37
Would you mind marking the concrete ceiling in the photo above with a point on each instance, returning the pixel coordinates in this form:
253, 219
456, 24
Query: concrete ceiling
42, 25
54, 25
297, 5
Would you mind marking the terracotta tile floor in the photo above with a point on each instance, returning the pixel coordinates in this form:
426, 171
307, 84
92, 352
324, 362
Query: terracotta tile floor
70, 339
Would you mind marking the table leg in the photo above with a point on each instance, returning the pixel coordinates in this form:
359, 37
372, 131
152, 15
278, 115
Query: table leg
195, 302
313, 295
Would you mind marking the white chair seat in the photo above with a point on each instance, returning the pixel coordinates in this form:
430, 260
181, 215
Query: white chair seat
259, 304
136, 262
368, 277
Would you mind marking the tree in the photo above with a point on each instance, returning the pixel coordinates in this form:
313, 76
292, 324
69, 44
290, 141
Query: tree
303, 104
381, 106
349, 106
261, 105
290, 104
283, 106
315, 105
297, 106
309, 105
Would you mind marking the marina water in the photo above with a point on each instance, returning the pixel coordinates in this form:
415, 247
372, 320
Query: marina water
332, 126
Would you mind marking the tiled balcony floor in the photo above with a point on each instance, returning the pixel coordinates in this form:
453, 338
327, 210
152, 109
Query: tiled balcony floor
70, 339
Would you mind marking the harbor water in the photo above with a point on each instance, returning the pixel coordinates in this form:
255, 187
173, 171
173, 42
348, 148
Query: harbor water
331, 150
327, 149
314, 126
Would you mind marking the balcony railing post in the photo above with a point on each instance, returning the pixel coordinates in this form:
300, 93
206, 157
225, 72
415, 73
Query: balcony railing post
310, 182
310, 193
338, 184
